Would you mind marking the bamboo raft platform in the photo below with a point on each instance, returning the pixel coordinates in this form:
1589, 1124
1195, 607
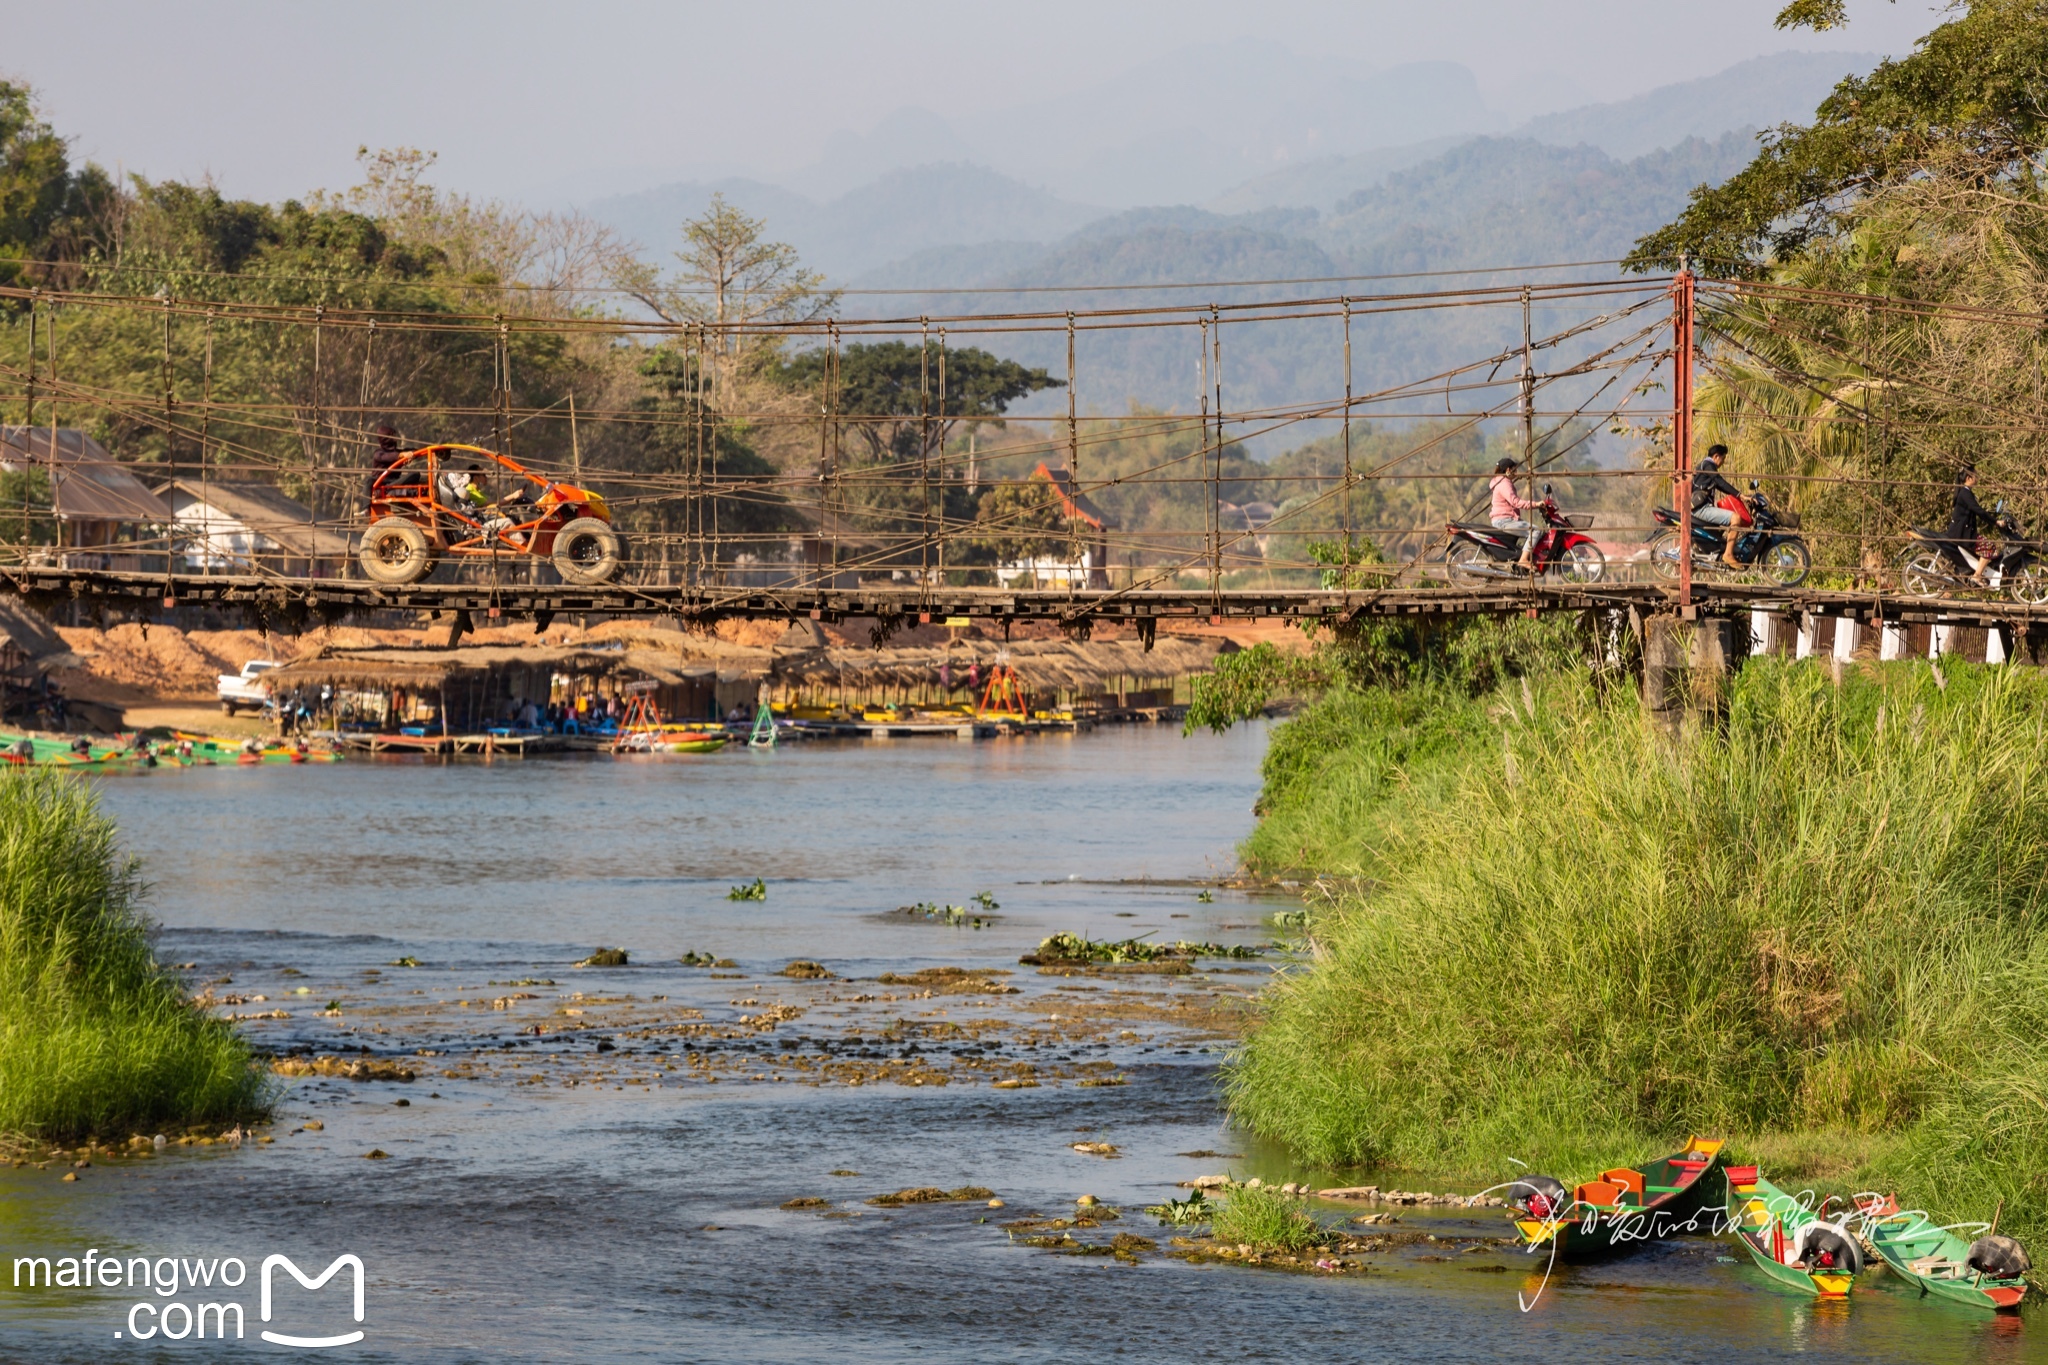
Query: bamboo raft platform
485, 744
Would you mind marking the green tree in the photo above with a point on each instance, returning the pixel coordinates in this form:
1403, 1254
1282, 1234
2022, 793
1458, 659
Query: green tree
48, 212
707, 474
1019, 520
897, 405
732, 277
1906, 236
1970, 89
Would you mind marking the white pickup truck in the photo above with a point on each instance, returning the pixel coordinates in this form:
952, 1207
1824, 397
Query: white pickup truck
245, 690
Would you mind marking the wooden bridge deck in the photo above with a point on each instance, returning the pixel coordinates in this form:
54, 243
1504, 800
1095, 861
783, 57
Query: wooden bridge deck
292, 599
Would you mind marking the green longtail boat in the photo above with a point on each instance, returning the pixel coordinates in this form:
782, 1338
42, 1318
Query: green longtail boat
1922, 1252
1789, 1242
1626, 1207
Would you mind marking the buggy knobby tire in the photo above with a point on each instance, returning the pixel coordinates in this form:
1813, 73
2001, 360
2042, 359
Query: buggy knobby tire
395, 550
587, 551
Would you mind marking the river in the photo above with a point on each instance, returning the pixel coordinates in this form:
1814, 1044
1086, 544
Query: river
591, 1163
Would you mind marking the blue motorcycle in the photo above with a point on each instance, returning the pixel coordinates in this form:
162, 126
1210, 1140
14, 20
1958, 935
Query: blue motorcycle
1767, 546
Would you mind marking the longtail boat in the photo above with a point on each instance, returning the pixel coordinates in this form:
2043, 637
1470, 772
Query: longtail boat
1922, 1252
1791, 1243
1627, 1206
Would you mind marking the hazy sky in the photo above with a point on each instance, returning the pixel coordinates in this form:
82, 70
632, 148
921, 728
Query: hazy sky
545, 101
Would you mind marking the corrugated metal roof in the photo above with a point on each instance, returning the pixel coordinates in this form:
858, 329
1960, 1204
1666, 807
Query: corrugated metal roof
88, 483
259, 507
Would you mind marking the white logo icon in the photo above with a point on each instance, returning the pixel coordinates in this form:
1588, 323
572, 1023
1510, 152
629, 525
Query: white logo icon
279, 1338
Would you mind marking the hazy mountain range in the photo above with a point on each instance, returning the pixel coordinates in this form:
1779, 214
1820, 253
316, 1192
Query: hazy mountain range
1280, 132
1289, 169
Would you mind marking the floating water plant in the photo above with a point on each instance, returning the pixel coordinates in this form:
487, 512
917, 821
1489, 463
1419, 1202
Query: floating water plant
756, 891
1182, 1213
406, 962
1206, 896
985, 900
1062, 949
947, 914
605, 957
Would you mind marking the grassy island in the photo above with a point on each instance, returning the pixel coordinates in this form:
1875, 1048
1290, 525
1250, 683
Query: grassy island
1819, 928
96, 1038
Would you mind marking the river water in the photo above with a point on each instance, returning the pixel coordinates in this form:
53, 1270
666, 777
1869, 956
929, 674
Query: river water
591, 1162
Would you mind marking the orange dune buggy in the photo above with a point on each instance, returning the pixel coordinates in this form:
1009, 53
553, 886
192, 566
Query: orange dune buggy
439, 500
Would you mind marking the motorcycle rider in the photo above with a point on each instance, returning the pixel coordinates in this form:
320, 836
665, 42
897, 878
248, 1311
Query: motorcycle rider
1966, 516
1508, 505
1707, 486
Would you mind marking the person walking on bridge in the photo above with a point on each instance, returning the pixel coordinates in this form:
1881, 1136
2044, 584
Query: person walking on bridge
1508, 506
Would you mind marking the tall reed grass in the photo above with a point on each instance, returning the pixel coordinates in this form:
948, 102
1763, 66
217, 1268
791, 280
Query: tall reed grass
1822, 924
95, 1037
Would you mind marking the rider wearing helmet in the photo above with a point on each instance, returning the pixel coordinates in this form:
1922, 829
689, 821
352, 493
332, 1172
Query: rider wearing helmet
1707, 486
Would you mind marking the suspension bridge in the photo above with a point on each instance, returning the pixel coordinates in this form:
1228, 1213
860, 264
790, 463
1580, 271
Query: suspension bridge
865, 510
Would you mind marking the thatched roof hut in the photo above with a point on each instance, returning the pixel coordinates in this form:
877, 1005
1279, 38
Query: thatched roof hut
698, 674
425, 669
1053, 665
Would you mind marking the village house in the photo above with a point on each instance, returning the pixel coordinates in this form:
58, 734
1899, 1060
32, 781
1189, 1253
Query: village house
106, 517
239, 528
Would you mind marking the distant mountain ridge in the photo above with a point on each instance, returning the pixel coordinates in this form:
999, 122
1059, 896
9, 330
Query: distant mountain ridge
1579, 185
856, 220
897, 213
1485, 204
1760, 93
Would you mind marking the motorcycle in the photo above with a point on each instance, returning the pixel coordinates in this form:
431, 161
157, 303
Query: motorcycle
1478, 550
1764, 545
2012, 565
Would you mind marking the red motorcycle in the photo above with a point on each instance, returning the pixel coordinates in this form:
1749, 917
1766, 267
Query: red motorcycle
1480, 550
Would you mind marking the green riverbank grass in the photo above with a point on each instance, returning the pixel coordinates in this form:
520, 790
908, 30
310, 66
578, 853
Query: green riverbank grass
95, 1037
1266, 1220
1820, 930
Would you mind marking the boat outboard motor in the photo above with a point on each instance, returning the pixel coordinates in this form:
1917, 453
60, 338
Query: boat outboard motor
1539, 1196
1829, 1246
1999, 1257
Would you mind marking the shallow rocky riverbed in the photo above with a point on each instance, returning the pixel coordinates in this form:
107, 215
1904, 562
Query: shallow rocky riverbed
724, 1162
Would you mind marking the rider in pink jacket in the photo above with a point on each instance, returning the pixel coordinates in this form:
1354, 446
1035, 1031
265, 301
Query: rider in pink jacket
1508, 505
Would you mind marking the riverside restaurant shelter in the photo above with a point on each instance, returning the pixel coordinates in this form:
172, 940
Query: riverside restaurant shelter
466, 690
696, 677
